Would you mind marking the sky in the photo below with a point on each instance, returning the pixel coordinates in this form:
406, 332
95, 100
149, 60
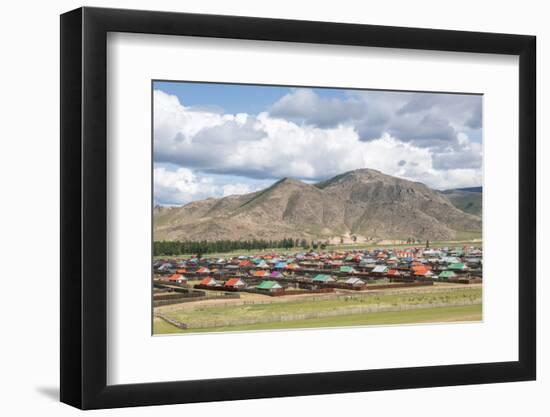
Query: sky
214, 140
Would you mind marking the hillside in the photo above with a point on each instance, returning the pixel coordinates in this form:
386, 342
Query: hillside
364, 203
468, 200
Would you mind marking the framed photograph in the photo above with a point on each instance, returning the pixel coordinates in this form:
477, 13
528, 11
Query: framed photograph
257, 208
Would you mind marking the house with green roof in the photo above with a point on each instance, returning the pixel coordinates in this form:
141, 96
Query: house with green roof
323, 278
457, 251
457, 266
347, 269
447, 275
269, 286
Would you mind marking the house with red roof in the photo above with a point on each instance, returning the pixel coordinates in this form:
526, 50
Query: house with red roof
235, 283
292, 266
180, 279
421, 271
209, 281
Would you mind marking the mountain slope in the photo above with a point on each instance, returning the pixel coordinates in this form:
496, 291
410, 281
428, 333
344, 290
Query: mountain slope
468, 200
364, 203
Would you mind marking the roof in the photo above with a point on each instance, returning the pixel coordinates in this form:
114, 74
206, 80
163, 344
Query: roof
450, 259
175, 277
346, 269
380, 269
268, 285
447, 274
457, 266
233, 281
261, 273
322, 278
420, 270
207, 280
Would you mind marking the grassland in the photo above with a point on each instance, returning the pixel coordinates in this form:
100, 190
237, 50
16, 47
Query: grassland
428, 315
339, 310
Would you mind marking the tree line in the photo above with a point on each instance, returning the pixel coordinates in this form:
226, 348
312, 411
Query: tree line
171, 248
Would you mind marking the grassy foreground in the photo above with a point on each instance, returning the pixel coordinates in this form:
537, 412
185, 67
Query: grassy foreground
200, 315
428, 315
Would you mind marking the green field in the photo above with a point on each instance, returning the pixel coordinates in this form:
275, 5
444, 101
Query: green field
429, 315
344, 310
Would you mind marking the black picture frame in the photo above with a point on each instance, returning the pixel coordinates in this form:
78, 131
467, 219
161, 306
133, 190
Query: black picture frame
84, 207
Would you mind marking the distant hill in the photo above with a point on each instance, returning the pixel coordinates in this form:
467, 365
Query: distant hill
363, 202
471, 189
468, 200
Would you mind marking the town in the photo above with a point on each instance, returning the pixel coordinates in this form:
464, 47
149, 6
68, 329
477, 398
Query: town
435, 276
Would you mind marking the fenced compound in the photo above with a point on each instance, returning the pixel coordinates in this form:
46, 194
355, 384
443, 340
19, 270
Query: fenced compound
177, 296
289, 292
185, 295
216, 288
367, 286
160, 303
399, 285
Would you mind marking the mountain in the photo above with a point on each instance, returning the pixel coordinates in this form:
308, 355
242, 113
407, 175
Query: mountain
364, 203
468, 200
472, 189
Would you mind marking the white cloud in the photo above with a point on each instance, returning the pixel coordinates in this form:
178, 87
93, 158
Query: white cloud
303, 105
180, 186
263, 147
